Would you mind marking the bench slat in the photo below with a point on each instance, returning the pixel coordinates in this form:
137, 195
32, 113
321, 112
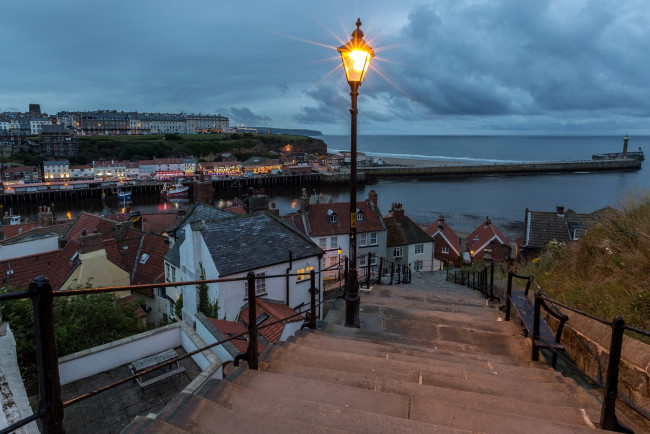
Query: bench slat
526, 312
167, 374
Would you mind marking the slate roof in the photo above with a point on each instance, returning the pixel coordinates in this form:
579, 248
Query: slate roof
541, 227
446, 233
173, 256
484, 234
318, 224
200, 212
274, 311
253, 241
408, 232
21, 271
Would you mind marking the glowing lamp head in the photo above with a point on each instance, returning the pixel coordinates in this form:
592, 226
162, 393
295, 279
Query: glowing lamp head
356, 56
339, 250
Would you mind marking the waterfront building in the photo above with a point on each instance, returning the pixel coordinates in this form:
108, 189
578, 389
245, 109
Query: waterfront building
131, 169
189, 165
57, 141
82, 172
21, 173
407, 243
147, 169
487, 241
446, 242
56, 170
257, 165
110, 169
328, 226
168, 168
221, 168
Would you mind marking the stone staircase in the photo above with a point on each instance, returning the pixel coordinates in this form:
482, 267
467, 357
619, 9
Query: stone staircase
429, 357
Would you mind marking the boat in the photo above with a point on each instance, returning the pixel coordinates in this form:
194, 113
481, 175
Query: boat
634, 155
175, 190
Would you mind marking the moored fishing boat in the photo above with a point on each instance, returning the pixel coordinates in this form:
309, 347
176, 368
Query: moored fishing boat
175, 190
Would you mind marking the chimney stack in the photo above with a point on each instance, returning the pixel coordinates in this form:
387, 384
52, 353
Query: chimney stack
488, 222
560, 211
304, 201
90, 242
441, 222
398, 213
372, 197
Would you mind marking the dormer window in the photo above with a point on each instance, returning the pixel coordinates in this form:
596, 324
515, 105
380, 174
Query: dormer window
359, 215
331, 216
144, 258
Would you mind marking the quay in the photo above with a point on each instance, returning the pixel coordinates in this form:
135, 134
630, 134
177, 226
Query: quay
518, 169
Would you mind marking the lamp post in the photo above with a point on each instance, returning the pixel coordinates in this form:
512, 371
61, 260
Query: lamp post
339, 251
356, 56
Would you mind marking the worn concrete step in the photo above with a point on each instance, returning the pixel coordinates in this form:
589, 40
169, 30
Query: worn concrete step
404, 371
239, 398
547, 395
422, 359
195, 414
426, 295
455, 352
456, 416
427, 303
406, 366
145, 425
437, 335
493, 322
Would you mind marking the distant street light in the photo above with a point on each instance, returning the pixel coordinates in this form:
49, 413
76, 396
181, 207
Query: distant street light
356, 56
339, 251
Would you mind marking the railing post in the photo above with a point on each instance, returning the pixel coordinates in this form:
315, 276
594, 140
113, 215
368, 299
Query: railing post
608, 411
369, 271
455, 277
312, 293
399, 275
49, 384
473, 279
508, 294
347, 277
392, 272
251, 353
492, 280
380, 270
536, 320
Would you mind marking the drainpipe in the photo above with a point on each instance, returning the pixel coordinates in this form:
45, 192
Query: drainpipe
287, 273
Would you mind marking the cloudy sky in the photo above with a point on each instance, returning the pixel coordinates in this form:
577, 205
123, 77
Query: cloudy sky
441, 67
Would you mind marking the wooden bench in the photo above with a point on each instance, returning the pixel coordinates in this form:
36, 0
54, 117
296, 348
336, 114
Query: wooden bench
526, 311
153, 360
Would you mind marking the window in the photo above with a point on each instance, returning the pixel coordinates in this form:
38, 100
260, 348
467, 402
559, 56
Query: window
322, 243
445, 250
303, 273
359, 216
334, 260
419, 249
368, 239
334, 243
418, 265
331, 216
397, 252
260, 285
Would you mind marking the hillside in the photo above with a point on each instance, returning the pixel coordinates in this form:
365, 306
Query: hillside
606, 272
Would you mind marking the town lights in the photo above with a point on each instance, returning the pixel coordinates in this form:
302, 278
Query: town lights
356, 56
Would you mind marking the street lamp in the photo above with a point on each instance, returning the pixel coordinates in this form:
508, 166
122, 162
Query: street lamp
339, 251
356, 56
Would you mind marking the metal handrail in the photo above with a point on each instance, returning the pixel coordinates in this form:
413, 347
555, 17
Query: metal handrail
50, 389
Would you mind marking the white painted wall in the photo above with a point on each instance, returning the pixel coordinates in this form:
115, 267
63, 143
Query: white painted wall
209, 338
426, 257
30, 247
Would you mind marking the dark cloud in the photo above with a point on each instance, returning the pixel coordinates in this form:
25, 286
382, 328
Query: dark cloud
244, 115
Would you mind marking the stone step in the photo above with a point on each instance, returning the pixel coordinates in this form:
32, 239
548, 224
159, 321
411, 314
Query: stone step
405, 371
493, 322
439, 336
426, 303
561, 394
435, 295
195, 414
421, 359
146, 425
457, 416
242, 399
455, 352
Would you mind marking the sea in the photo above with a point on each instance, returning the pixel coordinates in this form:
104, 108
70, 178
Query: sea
464, 201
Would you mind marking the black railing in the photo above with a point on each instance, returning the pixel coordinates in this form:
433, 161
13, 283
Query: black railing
50, 405
608, 420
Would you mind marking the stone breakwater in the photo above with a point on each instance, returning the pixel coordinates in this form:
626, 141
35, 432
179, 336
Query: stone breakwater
530, 168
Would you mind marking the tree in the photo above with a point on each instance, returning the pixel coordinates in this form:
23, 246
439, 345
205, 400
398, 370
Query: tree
206, 307
178, 307
80, 322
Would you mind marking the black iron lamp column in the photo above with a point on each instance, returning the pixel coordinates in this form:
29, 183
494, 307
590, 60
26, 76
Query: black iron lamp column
356, 56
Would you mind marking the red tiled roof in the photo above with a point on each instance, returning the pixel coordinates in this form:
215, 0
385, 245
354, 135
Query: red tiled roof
21, 271
59, 229
130, 299
296, 220
113, 253
484, 234
238, 209
318, 219
13, 230
90, 222
275, 311
158, 223
83, 166
152, 270
447, 234
64, 264
232, 328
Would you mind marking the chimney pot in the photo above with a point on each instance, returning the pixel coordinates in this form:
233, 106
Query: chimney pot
560, 211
